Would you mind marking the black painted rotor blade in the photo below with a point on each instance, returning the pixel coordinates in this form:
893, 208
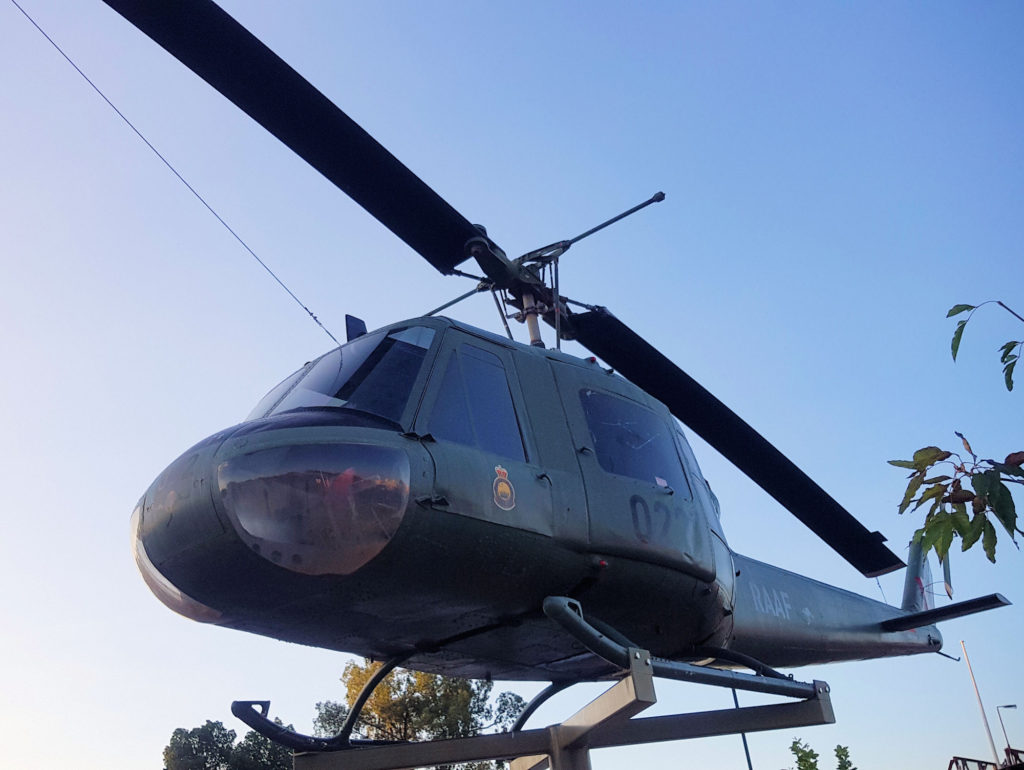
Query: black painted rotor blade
636, 360
222, 52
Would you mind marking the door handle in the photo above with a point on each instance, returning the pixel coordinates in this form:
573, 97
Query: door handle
433, 501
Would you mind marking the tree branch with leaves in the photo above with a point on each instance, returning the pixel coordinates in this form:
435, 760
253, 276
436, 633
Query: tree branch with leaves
1009, 352
950, 482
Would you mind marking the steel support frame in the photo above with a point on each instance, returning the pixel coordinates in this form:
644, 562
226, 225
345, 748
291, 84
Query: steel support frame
603, 723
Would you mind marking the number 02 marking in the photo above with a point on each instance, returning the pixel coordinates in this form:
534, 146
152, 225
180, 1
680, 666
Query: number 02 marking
643, 521
642, 524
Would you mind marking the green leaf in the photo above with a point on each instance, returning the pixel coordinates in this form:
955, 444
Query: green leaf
957, 334
947, 578
929, 455
974, 531
937, 479
938, 534
934, 492
929, 534
958, 309
982, 482
988, 542
961, 521
1001, 502
1008, 373
912, 487
1005, 350
945, 538
903, 464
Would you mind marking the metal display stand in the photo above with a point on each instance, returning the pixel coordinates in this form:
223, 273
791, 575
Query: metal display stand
604, 722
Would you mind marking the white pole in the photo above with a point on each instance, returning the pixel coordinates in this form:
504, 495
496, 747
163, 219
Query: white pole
981, 706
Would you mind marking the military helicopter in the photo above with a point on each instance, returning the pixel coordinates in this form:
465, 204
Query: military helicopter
442, 497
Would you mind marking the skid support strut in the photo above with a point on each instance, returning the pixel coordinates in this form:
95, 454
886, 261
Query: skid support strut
603, 723
606, 721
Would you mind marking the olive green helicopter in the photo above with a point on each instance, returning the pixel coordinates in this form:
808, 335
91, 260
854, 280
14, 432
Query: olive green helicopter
447, 499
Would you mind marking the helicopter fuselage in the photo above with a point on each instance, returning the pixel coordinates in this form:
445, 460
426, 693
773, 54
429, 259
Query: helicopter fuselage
424, 488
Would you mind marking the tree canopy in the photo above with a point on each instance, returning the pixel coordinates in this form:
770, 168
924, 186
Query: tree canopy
213, 747
807, 758
412, 705
843, 759
201, 748
255, 752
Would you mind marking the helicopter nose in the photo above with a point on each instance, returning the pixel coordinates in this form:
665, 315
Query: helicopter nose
324, 508
174, 528
162, 588
310, 500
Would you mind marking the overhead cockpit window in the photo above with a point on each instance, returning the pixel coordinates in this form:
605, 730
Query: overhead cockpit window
475, 405
277, 393
373, 374
630, 440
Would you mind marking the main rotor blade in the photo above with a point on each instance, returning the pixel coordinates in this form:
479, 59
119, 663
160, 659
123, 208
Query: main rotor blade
222, 52
636, 360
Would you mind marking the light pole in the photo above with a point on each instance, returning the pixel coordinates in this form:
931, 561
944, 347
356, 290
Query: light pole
981, 706
998, 714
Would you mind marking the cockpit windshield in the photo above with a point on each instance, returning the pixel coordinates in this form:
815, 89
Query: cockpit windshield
373, 374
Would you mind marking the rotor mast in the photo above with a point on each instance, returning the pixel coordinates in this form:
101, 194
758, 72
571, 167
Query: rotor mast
520, 277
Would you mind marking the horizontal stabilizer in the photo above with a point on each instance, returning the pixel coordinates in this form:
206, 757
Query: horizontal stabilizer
950, 611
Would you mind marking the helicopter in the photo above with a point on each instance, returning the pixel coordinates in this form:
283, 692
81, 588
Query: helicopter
421, 492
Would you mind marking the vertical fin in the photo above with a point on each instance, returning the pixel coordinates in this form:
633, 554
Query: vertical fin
919, 577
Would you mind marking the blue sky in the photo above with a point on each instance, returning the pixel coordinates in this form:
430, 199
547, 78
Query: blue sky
838, 175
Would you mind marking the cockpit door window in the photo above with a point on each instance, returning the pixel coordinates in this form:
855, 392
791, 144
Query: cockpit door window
473, 410
639, 501
474, 406
633, 441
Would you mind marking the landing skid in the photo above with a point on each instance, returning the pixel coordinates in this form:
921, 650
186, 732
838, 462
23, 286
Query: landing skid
605, 722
